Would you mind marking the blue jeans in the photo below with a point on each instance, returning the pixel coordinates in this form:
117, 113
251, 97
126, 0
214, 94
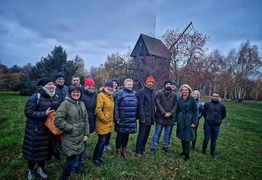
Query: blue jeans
68, 167
210, 131
170, 134
142, 138
158, 128
108, 139
99, 149
80, 159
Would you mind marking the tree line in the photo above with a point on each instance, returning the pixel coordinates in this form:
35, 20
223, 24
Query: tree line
236, 75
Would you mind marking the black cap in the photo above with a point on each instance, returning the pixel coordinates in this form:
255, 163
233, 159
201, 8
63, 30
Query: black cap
167, 81
109, 83
58, 75
44, 81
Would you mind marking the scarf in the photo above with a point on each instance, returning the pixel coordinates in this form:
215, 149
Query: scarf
48, 92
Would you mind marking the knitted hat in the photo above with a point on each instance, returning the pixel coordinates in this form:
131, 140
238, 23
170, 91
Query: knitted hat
58, 75
150, 79
117, 81
109, 83
89, 81
44, 81
174, 82
167, 81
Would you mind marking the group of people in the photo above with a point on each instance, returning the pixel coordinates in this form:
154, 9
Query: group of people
80, 111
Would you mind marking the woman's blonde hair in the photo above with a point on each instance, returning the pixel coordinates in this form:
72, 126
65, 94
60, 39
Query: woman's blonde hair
197, 92
187, 86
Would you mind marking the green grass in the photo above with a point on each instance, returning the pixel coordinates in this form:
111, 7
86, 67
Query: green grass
239, 149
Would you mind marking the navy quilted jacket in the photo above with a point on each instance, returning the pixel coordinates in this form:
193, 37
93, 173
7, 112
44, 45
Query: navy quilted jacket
126, 111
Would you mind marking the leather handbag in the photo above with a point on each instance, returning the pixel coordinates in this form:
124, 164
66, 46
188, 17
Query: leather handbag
49, 123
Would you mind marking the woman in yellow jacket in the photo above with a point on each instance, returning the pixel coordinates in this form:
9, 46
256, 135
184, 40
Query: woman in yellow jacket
104, 120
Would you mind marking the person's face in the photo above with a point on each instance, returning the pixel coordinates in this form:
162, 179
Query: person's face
50, 87
76, 81
90, 87
60, 81
75, 94
115, 85
185, 91
150, 84
173, 87
215, 97
195, 95
129, 85
168, 85
109, 88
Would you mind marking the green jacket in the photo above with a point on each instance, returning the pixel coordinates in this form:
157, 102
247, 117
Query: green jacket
186, 115
71, 117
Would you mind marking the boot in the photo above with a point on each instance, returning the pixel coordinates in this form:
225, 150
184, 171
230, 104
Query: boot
118, 152
124, 152
186, 157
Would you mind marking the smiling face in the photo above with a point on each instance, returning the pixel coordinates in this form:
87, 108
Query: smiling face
60, 81
115, 85
90, 87
185, 91
50, 87
75, 94
195, 95
150, 84
129, 85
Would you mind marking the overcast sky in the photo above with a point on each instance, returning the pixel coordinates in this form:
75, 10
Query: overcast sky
93, 29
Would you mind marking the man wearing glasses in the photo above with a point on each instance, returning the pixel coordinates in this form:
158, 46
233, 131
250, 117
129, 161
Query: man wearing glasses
214, 112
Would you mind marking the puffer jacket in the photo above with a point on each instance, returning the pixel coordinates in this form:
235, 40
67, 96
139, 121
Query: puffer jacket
126, 111
200, 110
165, 103
104, 113
61, 92
36, 145
71, 117
90, 102
146, 105
214, 112
187, 114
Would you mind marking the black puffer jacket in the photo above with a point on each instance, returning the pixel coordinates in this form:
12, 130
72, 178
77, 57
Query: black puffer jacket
36, 139
146, 105
61, 92
90, 103
214, 112
125, 111
165, 103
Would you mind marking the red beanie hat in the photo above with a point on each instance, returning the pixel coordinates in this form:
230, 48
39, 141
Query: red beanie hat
89, 81
150, 78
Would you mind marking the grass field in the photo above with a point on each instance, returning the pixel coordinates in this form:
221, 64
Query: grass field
239, 150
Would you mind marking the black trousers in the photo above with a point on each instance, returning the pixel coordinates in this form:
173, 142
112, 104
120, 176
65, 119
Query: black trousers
142, 137
31, 165
121, 140
186, 146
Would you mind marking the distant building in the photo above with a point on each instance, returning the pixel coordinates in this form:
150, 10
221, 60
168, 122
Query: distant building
154, 55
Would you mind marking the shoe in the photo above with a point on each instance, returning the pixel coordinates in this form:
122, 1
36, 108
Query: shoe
76, 169
186, 157
108, 148
124, 152
137, 155
41, 173
83, 165
144, 153
30, 175
165, 149
182, 154
213, 156
153, 151
96, 162
157, 143
169, 145
101, 160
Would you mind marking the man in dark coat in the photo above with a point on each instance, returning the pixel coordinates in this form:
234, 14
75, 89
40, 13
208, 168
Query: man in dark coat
146, 107
166, 103
61, 89
214, 112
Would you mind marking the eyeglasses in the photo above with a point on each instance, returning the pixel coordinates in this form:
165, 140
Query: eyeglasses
215, 96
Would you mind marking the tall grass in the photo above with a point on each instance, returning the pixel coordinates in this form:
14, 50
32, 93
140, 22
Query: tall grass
239, 150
